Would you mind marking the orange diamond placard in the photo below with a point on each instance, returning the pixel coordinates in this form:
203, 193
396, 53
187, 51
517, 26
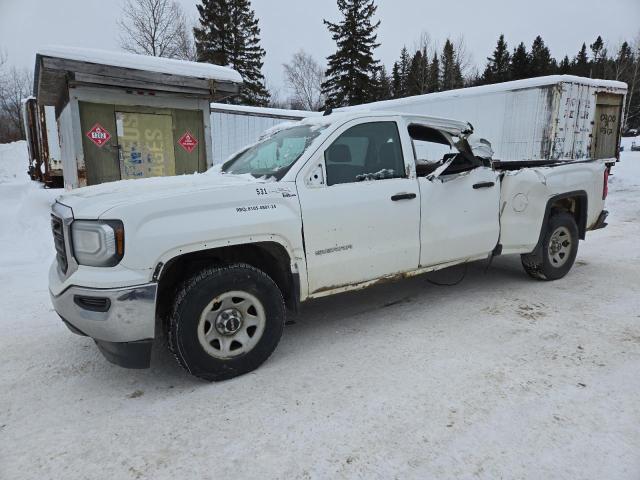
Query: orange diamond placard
98, 135
188, 142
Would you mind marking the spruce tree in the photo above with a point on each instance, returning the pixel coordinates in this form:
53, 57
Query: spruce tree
541, 61
565, 66
580, 64
520, 63
596, 48
384, 85
229, 35
450, 66
497, 69
599, 58
434, 75
352, 67
396, 81
401, 74
418, 75
623, 62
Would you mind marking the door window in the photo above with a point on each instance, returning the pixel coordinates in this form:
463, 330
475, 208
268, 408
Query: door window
432, 148
370, 151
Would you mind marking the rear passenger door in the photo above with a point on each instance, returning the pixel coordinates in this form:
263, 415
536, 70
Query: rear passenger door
360, 206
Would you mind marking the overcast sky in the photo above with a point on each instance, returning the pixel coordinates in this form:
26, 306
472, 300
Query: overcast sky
290, 25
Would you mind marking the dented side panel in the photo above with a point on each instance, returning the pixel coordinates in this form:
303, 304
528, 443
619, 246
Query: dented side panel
525, 194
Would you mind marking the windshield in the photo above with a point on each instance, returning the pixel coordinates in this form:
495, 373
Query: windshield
274, 155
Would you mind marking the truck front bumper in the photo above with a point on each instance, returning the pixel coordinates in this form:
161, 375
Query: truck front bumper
121, 321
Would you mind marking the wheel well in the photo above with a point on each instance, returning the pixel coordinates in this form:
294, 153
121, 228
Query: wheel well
270, 257
576, 205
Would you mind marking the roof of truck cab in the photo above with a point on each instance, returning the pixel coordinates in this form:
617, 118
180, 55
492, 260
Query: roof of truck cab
454, 127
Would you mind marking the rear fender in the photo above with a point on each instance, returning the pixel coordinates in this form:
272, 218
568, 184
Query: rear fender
575, 202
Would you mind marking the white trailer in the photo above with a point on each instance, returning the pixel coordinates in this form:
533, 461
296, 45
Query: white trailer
234, 126
559, 117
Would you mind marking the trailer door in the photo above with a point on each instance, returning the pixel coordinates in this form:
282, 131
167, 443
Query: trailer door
606, 128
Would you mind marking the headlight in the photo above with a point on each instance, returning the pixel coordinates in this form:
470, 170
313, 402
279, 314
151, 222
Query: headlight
97, 243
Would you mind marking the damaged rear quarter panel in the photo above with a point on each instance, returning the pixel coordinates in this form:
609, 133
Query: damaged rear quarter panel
525, 194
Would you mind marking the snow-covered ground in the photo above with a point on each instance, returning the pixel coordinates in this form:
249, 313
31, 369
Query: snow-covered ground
498, 377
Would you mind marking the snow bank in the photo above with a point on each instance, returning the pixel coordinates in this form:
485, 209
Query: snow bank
25, 235
627, 142
143, 62
14, 161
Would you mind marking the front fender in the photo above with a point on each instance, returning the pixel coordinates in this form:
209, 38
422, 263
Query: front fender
158, 231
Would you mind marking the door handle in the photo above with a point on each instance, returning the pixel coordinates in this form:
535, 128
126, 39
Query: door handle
403, 196
477, 186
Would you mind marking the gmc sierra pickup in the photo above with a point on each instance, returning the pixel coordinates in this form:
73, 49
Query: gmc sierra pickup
212, 261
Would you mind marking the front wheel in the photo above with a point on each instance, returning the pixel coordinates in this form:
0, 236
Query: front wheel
226, 322
558, 251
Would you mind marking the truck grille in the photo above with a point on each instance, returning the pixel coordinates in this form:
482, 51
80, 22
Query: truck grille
59, 242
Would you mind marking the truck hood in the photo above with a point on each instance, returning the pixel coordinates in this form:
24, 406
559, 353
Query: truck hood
93, 202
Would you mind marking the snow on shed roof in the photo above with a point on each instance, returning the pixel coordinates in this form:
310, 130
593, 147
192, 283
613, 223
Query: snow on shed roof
264, 111
143, 62
489, 89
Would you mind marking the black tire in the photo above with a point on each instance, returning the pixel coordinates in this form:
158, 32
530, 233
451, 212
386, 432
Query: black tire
540, 265
197, 293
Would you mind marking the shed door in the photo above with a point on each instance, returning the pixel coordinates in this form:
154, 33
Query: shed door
100, 152
146, 145
193, 159
606, 126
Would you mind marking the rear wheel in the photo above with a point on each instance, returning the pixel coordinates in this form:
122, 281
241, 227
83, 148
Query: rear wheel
558, 250
226, 322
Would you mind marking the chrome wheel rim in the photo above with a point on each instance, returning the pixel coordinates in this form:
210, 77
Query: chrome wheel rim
231, 325
559, 248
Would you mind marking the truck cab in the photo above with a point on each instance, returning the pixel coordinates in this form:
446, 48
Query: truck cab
318, 207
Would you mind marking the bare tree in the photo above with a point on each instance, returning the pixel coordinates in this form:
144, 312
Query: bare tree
275, 99
186, 46
15, 84
632, 112
463, 56
155, 27
425, 43
304, 76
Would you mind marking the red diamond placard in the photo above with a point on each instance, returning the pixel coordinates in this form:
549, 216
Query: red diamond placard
188, 142
98, 135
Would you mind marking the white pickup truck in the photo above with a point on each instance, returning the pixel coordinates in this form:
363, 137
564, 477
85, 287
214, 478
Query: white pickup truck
329, 204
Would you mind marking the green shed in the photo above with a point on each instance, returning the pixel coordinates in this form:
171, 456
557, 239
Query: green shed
126, 116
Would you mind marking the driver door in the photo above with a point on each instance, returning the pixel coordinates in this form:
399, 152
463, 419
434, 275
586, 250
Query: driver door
360, 207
